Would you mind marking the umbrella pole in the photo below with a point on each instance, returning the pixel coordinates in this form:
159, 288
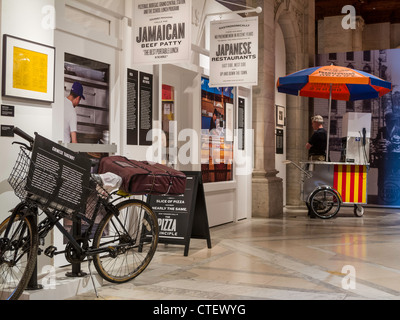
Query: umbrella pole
329, 124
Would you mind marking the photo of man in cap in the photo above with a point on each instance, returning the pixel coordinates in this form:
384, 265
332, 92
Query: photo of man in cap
70, 117
316, 146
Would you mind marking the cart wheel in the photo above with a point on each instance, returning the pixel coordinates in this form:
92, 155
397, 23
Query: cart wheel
324, 203
358, 210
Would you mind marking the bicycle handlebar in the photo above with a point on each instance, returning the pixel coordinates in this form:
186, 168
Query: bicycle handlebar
23, 135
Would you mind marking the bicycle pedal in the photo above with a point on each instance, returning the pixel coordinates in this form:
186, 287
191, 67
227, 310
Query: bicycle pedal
50, 251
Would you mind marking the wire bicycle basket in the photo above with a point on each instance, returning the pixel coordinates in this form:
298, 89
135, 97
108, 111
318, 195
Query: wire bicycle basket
19, 174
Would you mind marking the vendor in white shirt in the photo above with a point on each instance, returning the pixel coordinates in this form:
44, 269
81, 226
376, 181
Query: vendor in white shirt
70, 117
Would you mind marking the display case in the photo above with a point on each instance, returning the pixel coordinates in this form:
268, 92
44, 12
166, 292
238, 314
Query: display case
216, 158
217, 127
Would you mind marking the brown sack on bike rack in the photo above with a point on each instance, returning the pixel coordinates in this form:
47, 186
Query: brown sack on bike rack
143, 178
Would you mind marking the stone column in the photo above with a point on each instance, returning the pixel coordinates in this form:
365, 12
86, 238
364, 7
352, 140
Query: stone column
267, 187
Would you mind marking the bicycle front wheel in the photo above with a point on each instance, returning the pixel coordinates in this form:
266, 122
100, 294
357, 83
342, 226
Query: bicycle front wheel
18, 254
129, 240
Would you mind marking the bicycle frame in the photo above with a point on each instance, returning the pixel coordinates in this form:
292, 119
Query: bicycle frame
54, 216
53, 220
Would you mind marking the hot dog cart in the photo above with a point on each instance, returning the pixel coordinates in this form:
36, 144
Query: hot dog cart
326, 186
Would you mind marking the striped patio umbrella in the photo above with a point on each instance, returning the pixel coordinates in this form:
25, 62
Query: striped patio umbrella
333, 83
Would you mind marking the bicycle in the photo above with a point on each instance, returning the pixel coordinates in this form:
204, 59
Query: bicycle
119, 235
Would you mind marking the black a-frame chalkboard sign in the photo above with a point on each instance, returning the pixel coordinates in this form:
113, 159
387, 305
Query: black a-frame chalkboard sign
183, 217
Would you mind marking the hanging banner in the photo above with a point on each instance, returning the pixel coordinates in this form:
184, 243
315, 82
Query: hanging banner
162, 31
234, 53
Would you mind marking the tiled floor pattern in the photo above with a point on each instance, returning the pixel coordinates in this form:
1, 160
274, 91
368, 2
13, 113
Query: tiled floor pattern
284, 259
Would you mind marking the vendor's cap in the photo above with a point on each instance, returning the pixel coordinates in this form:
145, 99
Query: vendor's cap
77, 88
318, 119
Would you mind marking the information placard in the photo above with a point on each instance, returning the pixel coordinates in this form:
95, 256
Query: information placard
183, 217
146, 109
279, 141
58, 176
132, 107
241, 124
7, 111
7, 131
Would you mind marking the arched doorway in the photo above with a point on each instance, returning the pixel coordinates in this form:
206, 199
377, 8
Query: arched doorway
298, 37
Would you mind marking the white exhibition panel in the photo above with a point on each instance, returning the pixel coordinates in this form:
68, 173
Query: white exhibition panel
222, 198
220, 206
226, 201
31, 116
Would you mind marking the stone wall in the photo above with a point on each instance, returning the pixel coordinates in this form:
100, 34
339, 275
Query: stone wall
333, 38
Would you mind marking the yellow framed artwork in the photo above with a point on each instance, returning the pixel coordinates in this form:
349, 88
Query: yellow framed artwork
28, 69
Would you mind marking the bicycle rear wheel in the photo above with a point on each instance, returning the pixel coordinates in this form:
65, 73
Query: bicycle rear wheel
18, 254
131, 239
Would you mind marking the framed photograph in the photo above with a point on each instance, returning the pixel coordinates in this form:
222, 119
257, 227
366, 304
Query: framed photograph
280, 116
28, 69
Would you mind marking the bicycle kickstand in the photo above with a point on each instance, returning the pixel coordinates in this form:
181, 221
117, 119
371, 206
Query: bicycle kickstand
91, 276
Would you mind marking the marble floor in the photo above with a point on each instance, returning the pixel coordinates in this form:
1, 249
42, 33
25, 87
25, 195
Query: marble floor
293, 258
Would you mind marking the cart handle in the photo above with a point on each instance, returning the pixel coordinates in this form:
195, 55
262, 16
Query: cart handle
308, 174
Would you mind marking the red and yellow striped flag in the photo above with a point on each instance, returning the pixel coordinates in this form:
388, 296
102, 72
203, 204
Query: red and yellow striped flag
351, 182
